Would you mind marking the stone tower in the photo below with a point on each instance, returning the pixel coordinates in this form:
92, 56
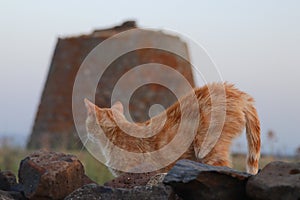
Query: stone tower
54, 125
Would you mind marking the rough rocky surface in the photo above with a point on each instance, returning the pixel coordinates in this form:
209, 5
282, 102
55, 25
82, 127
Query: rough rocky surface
277, 181
130, 180
50, 175
93, 192
7, 180
9, 195
156, 179
192, 180
4, 195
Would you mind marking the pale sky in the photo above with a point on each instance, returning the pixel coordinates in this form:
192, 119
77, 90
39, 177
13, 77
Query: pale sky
255, 44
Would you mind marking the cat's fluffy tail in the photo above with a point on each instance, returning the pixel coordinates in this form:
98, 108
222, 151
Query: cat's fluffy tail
253, 137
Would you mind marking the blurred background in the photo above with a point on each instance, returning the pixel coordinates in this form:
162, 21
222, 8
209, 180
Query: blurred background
255, 45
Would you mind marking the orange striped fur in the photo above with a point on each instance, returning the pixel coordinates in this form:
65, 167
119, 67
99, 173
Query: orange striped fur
240, 114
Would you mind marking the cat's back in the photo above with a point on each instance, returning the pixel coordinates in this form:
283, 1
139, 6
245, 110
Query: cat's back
222, 92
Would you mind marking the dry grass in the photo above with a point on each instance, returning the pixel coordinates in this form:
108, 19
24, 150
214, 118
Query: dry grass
94, 169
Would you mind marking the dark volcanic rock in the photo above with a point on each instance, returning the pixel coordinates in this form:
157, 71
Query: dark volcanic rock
7, 180
5, 195
50, 175
193, 180
10, 195
130, 180
156, 179
278, 180
94, 192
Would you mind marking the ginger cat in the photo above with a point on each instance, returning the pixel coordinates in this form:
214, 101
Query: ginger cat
240, 114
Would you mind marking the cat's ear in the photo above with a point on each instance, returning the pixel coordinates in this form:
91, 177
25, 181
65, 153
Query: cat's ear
118, 106
90, 107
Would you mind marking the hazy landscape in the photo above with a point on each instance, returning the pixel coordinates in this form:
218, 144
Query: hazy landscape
45, 47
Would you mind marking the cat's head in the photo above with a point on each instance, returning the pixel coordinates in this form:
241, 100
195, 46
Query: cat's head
104, 118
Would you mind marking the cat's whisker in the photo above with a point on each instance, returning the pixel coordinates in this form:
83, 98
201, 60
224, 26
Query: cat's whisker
83, 144
91, 138
79, 140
